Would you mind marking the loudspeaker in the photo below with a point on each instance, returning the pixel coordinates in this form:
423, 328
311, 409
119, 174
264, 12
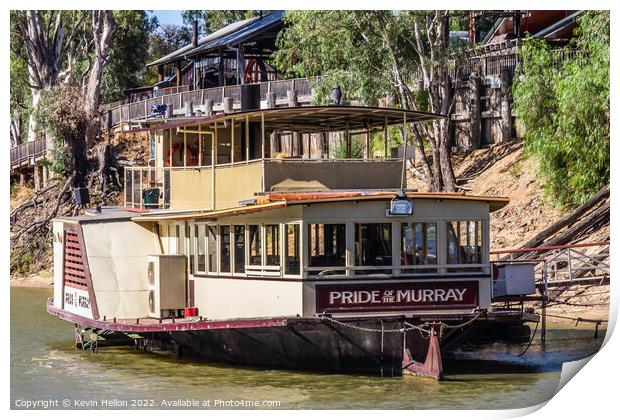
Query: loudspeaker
81, 195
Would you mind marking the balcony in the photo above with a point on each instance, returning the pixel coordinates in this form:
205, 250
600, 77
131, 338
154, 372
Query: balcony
224, 185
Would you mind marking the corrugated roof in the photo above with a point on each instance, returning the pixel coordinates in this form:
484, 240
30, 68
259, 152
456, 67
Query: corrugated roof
310, 118
241, 35
276, 201
228, 35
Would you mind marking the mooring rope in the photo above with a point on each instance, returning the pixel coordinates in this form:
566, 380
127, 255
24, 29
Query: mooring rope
531, 339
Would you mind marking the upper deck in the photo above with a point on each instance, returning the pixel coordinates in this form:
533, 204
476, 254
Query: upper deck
215, 162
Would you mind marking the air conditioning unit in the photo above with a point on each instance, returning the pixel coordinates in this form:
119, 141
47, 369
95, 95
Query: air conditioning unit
514, 279
166, 285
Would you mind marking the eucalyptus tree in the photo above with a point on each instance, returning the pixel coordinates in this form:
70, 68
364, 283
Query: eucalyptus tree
374, 54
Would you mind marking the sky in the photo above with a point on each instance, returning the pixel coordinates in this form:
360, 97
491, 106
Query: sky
170, 17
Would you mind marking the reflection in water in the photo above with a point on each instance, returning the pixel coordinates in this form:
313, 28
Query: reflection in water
44, 364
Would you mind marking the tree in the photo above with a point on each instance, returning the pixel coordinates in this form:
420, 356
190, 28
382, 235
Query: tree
128, 55
104, 26
564, 109
374, 54
45, 48
211, 20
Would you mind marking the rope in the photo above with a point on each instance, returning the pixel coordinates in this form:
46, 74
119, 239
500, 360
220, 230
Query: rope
531, 339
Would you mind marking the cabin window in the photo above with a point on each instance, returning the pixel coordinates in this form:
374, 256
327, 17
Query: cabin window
373, 246
212, 249
201, 249
464, 244
225, 249
418, 245
192, 147
292, 258
239, 249
255, 245
327, 244
272, 244
190, 247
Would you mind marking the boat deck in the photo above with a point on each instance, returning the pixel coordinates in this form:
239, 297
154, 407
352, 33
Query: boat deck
198, 323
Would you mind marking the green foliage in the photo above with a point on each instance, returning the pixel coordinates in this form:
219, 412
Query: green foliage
357, 151
20, 98
564, 109
128, 54
211, 20
21, 263
61, 113
343, 46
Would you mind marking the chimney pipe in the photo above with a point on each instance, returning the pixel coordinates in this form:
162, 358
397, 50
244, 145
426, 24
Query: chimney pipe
195, 34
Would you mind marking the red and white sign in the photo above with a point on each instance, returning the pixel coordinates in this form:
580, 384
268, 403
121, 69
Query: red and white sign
77, 301
397, 296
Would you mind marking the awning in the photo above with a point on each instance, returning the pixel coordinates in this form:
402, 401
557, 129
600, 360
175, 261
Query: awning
281, 200
309, 118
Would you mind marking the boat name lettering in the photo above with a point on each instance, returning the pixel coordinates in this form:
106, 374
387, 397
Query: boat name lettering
418, 295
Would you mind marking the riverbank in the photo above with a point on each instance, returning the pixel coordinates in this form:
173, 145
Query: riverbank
38, 281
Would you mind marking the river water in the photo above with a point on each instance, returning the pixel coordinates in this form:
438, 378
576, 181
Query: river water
45, 365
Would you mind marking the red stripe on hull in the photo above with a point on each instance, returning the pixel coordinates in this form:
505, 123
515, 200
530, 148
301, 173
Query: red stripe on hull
179, 325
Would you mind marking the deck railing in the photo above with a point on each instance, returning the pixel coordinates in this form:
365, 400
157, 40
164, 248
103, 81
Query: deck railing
112, 116
147, 188
23, 153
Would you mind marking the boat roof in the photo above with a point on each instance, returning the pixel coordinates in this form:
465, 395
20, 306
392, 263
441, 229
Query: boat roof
307, 118
272, 201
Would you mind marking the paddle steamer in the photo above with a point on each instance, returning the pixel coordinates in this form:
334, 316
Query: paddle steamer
246, 241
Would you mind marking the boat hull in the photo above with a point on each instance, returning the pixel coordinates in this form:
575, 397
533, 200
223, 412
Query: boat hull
312, 346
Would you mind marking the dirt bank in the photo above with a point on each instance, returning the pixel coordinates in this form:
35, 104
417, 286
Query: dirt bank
34, 281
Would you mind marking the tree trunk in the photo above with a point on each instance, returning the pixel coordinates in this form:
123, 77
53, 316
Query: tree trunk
505, 109
103, 29
475, 120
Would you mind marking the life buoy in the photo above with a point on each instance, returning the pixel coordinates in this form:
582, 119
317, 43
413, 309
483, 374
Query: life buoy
192, 154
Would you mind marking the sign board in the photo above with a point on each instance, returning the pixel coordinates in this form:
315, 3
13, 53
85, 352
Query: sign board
397, 296
77, 301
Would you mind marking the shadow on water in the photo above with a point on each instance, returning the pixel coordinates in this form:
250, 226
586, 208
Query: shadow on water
44, 364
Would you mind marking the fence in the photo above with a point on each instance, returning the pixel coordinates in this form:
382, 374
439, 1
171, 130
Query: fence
23, 153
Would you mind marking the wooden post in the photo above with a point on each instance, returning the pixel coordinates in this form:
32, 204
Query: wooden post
38, 183
292, 98
160, 73
184, 150
505, 111
209, 107
475, 119
213, 158
178, 72
247, 138
385, 136
189, 108
240, 65
367, 144
232, 141
271, 100
228, 105
262, 130
220, 68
